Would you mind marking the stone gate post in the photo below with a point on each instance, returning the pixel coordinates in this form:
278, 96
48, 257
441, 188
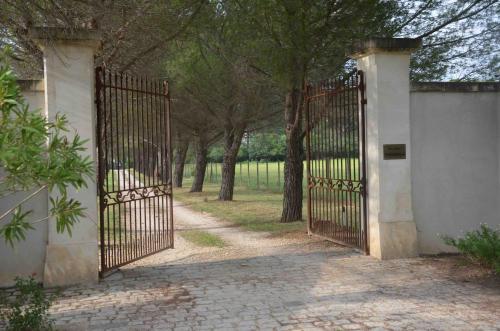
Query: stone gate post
68, 58
385, 62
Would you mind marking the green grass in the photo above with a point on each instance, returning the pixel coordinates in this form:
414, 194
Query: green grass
269, 175
255, 210
202, 238
111, 221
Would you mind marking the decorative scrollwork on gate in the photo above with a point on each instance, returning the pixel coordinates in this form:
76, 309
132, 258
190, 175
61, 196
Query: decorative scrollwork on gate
133, 194
336, 159
335, 184
134, 168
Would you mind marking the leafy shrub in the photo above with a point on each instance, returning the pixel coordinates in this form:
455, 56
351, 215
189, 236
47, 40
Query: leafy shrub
28, 310
482, 246
36, 154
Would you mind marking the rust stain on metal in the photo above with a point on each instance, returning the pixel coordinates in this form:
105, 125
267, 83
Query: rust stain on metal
134, 167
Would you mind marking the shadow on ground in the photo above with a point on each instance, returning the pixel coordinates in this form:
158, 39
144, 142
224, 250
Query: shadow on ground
300, 287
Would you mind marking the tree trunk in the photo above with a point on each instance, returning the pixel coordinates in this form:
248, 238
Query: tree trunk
180, 159
232, 143
201, 164
163, 171
293, 172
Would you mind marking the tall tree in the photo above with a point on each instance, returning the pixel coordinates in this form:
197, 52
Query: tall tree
190, 120
232, 93
293, 38
181, 143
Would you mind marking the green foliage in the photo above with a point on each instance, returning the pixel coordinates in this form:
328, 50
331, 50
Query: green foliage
36, 154
28, 311
460, 38
67, 211
259, 146
15, 230
294, 40
267, 146
481, 245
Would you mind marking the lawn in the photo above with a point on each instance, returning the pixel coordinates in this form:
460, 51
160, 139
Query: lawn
202, 238
255, 210
270, 176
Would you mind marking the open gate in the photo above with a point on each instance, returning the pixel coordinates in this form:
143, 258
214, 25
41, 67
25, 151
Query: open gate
134, 168
336, 164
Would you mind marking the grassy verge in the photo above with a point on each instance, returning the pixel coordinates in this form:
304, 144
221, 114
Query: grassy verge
254, 210
202, 238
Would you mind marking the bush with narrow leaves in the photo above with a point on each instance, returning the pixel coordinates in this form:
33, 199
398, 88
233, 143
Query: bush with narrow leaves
36, 155
482, 246
28, 309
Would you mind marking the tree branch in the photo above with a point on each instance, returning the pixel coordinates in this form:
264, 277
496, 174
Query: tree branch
458, 17
163, 41
22, 201
413, 17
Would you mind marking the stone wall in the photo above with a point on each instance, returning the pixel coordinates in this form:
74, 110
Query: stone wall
455, 142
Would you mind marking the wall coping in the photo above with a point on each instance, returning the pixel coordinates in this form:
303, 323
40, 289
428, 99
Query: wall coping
455, 87
44, 36
366, 47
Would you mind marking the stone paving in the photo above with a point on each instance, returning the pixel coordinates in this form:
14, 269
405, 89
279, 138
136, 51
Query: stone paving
275, 284
312, 286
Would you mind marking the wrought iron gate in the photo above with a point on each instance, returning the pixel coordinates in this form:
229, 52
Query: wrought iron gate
134, 170
336, 166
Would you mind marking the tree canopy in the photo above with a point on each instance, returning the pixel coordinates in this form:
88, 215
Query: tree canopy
239, 66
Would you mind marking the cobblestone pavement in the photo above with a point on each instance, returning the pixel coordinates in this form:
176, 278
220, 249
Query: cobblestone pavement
304, 285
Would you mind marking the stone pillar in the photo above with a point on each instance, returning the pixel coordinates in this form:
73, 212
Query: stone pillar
385, 63
68, 58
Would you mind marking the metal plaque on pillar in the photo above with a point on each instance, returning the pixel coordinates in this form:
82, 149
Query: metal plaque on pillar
394, 151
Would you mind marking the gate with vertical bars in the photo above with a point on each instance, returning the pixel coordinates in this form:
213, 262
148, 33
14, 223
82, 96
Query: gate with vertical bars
134, 168
336, 164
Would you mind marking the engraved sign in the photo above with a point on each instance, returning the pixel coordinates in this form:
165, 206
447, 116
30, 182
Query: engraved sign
394, 151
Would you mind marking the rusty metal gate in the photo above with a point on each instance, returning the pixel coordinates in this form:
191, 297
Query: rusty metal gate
336, 165
134, 168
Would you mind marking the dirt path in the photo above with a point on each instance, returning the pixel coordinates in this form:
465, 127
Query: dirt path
187, 219
239, 242
231, 234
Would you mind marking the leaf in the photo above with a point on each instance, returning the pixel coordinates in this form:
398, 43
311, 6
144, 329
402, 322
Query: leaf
15, 230
66, 211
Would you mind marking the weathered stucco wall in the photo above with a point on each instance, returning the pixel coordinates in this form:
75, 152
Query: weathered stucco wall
68, 58
455, 159
28, 256
60, 259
